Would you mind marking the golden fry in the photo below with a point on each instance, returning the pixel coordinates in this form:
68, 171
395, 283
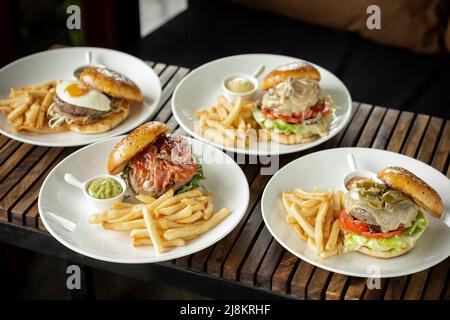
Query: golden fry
124, 226
290, 219
20, 109
318, 229
136, 213
334, 234
196, 230
311, 196
153, 230
207, 213
224, 102
145, 199
31, 115
299, 231
181, 214
109, 215
302, 221
175, 199
5, 109
139, 242
192, 218
122, 205
167, 211
236, 109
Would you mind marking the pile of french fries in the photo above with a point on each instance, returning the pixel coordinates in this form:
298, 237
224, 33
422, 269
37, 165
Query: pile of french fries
228, 123
165, 222
315, 218
26, 108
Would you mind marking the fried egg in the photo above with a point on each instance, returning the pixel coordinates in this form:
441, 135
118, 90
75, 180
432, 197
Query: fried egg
78, 94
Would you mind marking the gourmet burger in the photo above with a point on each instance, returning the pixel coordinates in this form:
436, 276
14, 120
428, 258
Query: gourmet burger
294, 106
153, 162
386, 219
98, 102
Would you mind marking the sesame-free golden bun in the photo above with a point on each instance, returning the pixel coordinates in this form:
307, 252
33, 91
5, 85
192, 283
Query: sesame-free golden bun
297, 70
133, 143
105, 123
111, 83
385, 254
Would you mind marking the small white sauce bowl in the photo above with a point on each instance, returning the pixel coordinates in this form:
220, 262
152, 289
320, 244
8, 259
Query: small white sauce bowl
364, 174
231, 95
100, 204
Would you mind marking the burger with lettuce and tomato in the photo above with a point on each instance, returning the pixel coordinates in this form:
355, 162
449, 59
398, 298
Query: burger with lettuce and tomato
386, 219
294, 108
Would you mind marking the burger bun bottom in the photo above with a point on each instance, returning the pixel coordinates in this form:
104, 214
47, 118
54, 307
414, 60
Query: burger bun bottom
384, 254
104, 124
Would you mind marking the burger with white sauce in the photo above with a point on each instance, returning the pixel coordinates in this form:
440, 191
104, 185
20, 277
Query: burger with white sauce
294, 108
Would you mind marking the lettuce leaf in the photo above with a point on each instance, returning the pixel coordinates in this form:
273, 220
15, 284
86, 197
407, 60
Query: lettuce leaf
353, 240
195, 182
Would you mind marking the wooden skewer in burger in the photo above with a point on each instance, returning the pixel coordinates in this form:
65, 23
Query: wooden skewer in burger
294, 108
152, 162
385, 220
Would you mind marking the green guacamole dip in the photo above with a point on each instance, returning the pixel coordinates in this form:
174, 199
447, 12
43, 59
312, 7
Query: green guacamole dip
104, 188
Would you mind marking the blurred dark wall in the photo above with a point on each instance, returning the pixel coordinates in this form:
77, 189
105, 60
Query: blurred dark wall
29, 26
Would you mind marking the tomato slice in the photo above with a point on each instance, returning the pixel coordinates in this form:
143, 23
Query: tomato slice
323, 108
380, 235
268, 114
326, 110
271, 114
351, 224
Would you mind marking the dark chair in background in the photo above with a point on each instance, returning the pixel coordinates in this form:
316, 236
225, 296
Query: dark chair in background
374, 73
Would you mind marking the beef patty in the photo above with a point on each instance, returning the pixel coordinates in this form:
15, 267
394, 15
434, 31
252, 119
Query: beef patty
70, 110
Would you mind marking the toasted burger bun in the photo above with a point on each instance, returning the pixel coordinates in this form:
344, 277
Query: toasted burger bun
384, 254
283, 138
112, 83
298, 70
106, 123
133, 143
405, 181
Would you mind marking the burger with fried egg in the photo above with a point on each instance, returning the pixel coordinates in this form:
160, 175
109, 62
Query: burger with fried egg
97, 102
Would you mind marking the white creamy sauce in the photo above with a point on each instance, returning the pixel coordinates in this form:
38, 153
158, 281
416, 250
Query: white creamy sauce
293, 96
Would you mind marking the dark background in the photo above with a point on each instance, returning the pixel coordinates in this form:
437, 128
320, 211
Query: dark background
207, 30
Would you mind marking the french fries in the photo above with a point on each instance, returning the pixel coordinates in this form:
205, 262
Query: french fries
166, 222
153, 231
196, 230
314, 217
228, 123
26, 108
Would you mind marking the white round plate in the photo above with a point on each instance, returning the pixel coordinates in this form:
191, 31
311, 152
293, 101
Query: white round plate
201, 86
223, 177
325, 169
59, 64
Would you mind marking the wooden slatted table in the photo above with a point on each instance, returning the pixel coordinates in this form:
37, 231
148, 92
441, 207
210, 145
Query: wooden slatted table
249, 255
